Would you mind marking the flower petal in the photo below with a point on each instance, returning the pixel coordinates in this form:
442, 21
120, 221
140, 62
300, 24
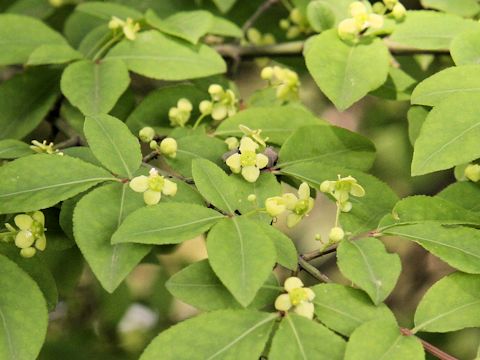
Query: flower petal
292, 283
139, 183
23, 221
250, 173
219, 112
152, 197
234, 163
293, 219
357, 190
247, 144
169, 188
262, 161
305, 309
283, 303
291, 200
39, 217
304, 191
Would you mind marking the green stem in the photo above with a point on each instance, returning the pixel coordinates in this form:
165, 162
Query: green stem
106, 46
255, 211
312, 270
337, 215
199, 120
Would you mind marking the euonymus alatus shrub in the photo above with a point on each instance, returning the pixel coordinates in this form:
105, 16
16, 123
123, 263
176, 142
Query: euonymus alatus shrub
122, 136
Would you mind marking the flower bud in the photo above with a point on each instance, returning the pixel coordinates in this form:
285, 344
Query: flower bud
254, 36
168, 147
153, 145
336, 234
232, 143
472, 172
399, 11
205, 107
56, 3
318, 237
379, 8
284, 24
146, 134
376, 21
390, 3
215, 89
357, 8
267, 73
293, 32
252, 197
28, 252
184, 105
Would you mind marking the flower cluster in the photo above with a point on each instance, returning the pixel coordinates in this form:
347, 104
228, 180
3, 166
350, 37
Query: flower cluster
180, 114
296, 24
223, 103
129, 27
247, 161
361, 20
341, 190
153, 186
31, 234
472, 172
299, 207
284, 80
44, 148
255, 37
390, 7
298, 298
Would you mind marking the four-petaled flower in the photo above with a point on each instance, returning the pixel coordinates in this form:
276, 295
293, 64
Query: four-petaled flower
153, 186
298, 298
247, 161
341, 190
31, 236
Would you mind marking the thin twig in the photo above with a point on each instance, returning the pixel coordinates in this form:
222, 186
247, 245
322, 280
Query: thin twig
295, 48
260, 10
439, 354
150, 156
312, 270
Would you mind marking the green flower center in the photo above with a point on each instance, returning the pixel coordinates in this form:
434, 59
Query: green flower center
301, 207
248, 158
37, 229
156, 183
297, 296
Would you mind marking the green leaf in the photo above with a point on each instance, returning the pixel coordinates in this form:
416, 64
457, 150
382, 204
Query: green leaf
416, 118
224, 334
113, 144
370, 266
300, 338
23, 312
12, 149
438, 87
337, 146
464, 194
344, 72
343, 308
40, 181
465, 8
153, 110
159, 57
367, 211
53, 54
453, 303
250, 252
198, 285
286, 252
40, 9
25, 100
465, 48
224, 5
320, 15
224, 27
215, 186
382, 339
185, 194
196, 147
187, 25
21, 35
458, 246
166, 223
456, 126
94, 225
415, 209
276, 122
93, 87
430, 30
399, 86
